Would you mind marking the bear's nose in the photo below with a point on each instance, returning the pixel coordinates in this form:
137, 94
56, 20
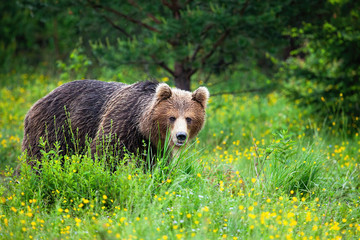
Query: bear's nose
181, 136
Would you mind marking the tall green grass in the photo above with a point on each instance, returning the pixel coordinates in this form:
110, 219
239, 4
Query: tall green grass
260, 169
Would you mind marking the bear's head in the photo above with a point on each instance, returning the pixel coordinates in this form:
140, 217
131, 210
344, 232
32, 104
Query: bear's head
179, 113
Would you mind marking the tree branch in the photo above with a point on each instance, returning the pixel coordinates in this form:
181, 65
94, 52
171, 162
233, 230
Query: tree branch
199, 46
167, 4
133, 3
206, 29
163, 65
197, 49
114, 25
174, 7
244, 7
117, 27
192, 72
128, 18
154, 18
222, 37
215, 46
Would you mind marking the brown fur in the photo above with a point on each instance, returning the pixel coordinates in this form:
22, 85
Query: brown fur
178, 104
130, 114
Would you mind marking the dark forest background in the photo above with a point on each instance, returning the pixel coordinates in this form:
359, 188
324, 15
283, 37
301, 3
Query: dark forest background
309, 50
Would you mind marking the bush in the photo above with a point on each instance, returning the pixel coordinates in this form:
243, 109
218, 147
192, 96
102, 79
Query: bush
287, 166
323, 75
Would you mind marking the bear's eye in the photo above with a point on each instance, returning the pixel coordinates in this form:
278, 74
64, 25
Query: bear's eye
172, 119
188, 120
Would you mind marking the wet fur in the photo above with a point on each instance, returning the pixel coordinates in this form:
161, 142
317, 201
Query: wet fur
47, 118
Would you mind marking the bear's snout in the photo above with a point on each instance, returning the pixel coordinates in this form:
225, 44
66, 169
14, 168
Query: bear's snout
181, 136
180, 132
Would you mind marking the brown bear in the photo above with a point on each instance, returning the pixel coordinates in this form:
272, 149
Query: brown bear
128, 115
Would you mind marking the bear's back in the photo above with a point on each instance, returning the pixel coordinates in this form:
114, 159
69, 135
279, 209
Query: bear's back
73, 108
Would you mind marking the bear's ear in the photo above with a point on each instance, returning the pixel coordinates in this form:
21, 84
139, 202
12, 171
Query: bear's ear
163, 91
201, 95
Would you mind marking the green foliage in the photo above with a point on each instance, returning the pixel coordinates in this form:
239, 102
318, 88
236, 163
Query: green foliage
235, 45
17, 31
197, 36
34, 33
77, 66
181, 38
327, 79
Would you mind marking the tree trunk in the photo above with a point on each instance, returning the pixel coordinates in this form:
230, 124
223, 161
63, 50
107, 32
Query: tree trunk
182, 76
182, 82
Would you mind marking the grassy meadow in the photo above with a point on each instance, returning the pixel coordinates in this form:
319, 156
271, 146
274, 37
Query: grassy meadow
262, 168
